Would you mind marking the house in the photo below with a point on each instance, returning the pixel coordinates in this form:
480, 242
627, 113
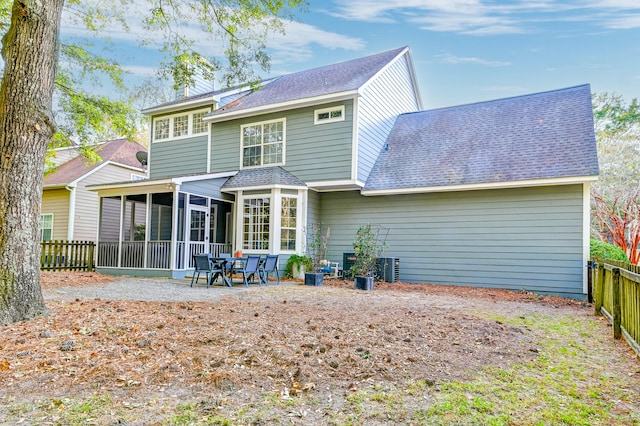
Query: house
68, 209
492, 194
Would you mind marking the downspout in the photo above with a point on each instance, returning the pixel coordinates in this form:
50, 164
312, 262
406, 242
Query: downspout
71, 219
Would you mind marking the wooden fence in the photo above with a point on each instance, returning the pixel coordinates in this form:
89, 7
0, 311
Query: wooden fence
616, 294
60, 255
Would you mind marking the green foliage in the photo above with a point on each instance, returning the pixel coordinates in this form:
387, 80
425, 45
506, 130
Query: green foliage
368, 245
601, 250
318, 240
298, 260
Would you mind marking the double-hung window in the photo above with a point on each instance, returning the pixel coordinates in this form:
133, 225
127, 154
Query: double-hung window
263, 143
288, 223
46, 226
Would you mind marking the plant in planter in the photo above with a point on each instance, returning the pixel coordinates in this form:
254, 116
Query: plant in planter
317, 249
368, 246
298, 264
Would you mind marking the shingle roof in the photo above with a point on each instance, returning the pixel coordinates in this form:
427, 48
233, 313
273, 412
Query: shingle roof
248, 178
120, 151
538, 136
330, 79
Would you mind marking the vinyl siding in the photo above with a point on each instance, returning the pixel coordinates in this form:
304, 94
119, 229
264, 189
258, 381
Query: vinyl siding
390, 94
56, 201
207, 188
178, 158
86, 204
527, 238
312, 152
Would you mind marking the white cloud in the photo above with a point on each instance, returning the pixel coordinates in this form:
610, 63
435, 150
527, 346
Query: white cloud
451, 59
484, 17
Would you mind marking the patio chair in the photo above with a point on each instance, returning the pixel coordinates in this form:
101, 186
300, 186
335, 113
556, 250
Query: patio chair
250, 269
203, 263
270, 265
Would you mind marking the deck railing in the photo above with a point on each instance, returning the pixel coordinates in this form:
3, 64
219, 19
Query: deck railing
616, 294
158, 254
62, 255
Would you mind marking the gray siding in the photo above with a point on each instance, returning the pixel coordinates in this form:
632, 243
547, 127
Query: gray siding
527, 238
390, 94
178, 158
312, 152
207, 188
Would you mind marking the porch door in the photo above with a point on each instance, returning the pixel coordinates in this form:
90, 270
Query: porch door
198, 231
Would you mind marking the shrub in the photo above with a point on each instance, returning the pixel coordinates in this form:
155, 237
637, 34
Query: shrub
601, 250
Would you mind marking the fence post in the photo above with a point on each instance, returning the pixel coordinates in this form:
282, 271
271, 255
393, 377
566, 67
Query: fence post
617, 332
599, 289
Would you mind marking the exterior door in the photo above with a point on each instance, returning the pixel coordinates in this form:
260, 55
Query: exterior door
198, 227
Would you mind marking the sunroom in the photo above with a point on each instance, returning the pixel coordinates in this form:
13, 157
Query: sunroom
155, 227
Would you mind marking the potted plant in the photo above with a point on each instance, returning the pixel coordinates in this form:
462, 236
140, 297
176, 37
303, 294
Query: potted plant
317, 250
367, 247
298, 264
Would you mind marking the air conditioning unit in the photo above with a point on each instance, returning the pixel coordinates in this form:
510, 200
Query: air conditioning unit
388, 269
348, 259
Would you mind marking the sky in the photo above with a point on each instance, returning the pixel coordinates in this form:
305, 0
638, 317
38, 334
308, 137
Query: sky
463, 51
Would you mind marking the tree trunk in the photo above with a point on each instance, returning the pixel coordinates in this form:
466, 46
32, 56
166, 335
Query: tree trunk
30, 53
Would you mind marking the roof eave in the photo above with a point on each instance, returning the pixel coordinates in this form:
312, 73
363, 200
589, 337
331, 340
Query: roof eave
481, 186
194, 103
298, 103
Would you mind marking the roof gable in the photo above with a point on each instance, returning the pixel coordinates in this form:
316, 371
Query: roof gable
119, 151
545, 135
318, 82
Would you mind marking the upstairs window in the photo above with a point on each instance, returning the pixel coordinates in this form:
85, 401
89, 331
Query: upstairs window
179, 126
263, 143
161, 129
328, 115
198, 125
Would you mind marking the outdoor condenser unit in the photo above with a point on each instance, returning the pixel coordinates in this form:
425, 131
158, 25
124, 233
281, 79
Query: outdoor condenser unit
348, 259
388, 269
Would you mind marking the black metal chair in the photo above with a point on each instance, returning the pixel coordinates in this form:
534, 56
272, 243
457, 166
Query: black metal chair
270, 264
250, 269
204, 263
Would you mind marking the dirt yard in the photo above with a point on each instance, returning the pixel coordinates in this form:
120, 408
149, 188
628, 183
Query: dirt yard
247, 356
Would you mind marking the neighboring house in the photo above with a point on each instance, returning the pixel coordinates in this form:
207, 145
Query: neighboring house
69, 210
492, 194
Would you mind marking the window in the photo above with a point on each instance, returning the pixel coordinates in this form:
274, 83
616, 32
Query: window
46, 227
328, 115
263, 143
198, 126
256, 214
179, 126
288, 223
161, 129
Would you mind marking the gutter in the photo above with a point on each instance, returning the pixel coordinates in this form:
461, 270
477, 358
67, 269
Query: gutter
481, 186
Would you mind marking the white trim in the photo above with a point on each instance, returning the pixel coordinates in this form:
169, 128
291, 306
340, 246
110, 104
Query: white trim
188, 104
336, 185
586, 234
480, 186
278, 107
317, 121
171, 118
165, 181
71, 219
275, 221
268, 187
40, 228
283, 120
356, 139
